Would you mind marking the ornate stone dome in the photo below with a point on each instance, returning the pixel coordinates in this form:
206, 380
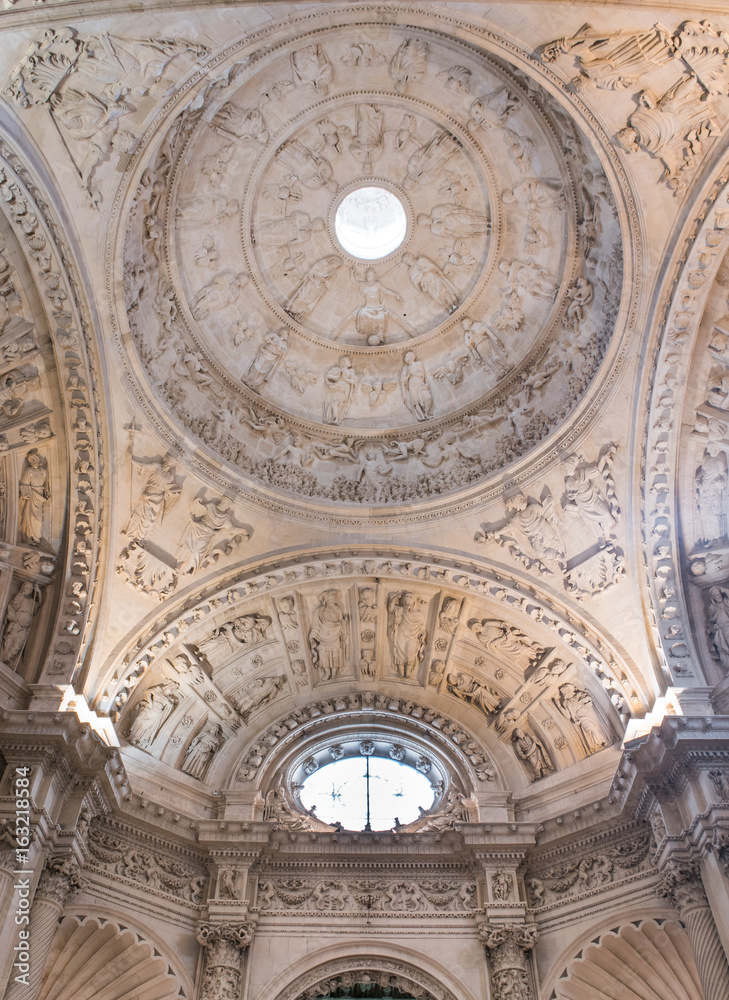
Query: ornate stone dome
332, 375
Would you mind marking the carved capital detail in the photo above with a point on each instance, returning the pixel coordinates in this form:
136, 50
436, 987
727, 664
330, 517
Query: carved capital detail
682, 884
59, 880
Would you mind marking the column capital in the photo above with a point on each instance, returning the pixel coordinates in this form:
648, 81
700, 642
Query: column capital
59, 880
239, 936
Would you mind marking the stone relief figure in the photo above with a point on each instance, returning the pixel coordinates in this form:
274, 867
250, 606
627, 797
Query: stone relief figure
535, 196
711, 483
313, 287
367, 604
222, 291
329, 636
311, 65
368, 141
501, 886
427, 163
613, 60
485, 347
530, 533
548, 672
210, 521
258, 693
287, 614
580, 296
279, 811
576, 705
590, 491
18, 619
717, 624
340, 387
34, 492
415, 387
672, 127
371, 319
428, 278
201, 751
151, 712
409, 63
454, 810
448, 615
498, 636
531, 752
407, 632
246, 630
455, 222
243, 123
293, 230
312, 169
158, 494
468, 689
206, 210
266, 360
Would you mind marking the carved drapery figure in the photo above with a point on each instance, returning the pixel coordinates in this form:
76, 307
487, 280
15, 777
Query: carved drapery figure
448, 615
34, 493
151, 712
246, 630
531, 752
576, 705
157, 494
257, 694
426, 163
415, 387
266, 360
18, 619
589, 492
367, 143
531, 523
287, 613
340, 386
428, 278
407, 632
454, 810
372, 318
485, 347
455, 222
201, 751
711, 483
367, 604
278, 809
717, 625
329, 636
468, 689
313, 287
209, 521
498, 636
311, 65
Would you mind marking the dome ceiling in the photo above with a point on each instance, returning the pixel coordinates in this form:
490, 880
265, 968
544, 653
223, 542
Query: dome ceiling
328, 376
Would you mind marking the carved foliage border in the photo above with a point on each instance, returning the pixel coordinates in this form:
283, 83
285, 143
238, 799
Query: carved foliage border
39, 231
303, 985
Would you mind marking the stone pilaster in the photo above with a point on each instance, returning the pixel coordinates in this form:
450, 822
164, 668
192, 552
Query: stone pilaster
682, 883
58, 884
224, 947
508, 946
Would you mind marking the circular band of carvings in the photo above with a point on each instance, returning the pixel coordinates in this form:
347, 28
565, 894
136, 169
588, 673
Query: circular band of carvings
379, 970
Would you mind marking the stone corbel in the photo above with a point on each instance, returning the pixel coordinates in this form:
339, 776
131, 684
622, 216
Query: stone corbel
224, 946
508, 947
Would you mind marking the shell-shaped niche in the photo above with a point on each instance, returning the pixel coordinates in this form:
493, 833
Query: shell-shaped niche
652, 961
92, 957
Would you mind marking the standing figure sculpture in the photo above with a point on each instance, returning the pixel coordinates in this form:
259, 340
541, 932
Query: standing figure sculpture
329, 636
202, 750
340, 386
151, 712
157, 494
209, 521
711, 489
371, 319
18, 619
266, 360
34, 493
415, 387
407, 633
485, 347
428, 278
576, 705
717, 626
531, 752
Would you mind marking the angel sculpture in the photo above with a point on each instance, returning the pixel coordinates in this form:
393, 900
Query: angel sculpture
531, 533
209, 522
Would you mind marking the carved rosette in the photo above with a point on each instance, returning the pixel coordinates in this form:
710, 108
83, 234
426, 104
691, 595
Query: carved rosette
507, 946
224, 945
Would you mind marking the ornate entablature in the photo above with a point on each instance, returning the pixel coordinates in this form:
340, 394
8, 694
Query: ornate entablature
331, 377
